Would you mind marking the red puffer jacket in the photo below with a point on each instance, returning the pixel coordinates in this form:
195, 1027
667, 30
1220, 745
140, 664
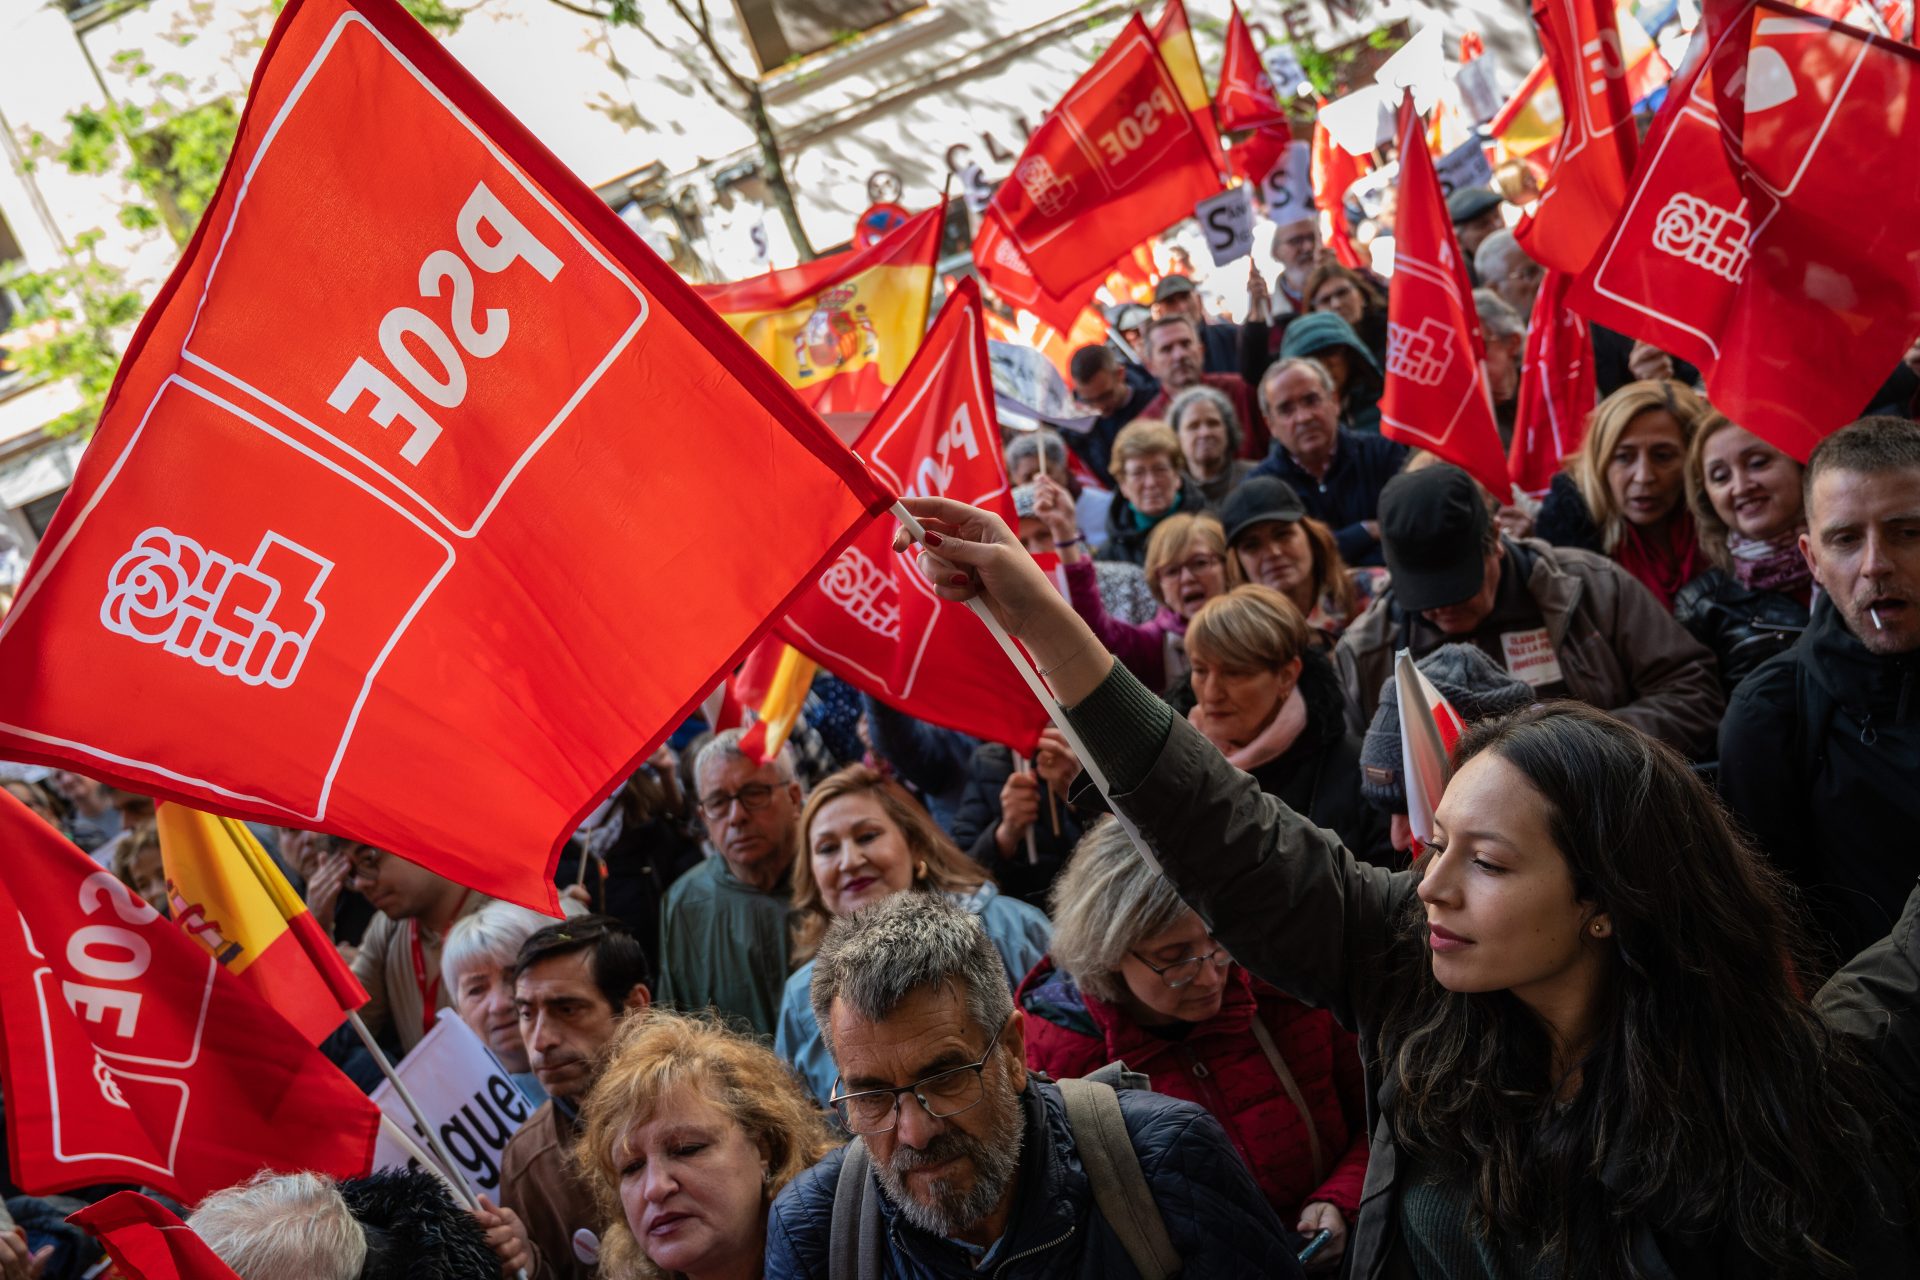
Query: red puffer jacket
1219, 1065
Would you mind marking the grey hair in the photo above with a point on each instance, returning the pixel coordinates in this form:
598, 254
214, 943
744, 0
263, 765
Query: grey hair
491, 935
1044, 442
874, 959
276, 1225
1106, 901
1284, 363
725, 746
1497, 254
1497, 316
1199, 391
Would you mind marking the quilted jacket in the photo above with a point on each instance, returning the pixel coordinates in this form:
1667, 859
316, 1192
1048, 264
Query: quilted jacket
1216, 1217
1219, 1065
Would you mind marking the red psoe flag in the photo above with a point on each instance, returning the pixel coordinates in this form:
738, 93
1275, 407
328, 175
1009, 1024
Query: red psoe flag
1594, 162
1429, 729
1245, 99
1556, 387
1769, 240
428, 498
130, 1055
1334, 170
871, 618
147, 1242
1436, 397
1118, 160
1004, 271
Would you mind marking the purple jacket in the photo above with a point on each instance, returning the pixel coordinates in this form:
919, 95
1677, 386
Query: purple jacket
1142, 647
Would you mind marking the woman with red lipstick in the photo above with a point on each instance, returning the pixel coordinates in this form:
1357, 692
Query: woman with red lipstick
1587, 1049
866, 840
687, 1137
1747, 504
1625, 495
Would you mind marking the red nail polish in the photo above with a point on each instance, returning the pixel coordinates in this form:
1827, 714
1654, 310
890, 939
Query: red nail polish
958, 580
934, 539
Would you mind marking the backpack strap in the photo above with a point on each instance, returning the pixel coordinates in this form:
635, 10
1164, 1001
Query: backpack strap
1299, 1101
853, 1240
1120, 1189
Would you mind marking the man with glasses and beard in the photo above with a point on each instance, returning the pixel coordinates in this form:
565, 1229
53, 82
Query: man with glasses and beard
972, 1164
723, 927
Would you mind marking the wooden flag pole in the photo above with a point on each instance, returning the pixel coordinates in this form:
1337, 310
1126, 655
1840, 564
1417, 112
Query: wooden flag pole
1023, 765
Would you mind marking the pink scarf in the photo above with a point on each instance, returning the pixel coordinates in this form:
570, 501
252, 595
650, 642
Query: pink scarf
1270, 743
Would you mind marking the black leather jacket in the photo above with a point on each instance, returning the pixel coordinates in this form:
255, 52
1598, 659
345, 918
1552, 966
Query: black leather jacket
1742, 626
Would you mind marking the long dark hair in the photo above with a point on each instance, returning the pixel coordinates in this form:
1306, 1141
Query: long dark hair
1713, 1102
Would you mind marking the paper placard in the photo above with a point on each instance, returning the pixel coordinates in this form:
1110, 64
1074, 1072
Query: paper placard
466, 1094
1530, 657
1464, 166
1226, 220
1287, 190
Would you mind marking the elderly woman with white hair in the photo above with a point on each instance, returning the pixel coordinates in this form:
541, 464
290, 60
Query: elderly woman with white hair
1210, 432
475, 964
1133, 975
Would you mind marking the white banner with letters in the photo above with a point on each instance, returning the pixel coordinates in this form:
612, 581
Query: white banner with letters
473, 1104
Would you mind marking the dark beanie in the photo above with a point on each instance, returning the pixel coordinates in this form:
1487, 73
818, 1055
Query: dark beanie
1473, 685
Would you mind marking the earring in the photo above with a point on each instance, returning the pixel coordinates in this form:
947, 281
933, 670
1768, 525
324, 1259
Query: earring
1599, 928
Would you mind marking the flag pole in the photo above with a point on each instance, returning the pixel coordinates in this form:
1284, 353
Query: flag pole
1023, 765
406, 1096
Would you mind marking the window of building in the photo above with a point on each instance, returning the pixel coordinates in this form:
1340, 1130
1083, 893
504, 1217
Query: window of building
782, 30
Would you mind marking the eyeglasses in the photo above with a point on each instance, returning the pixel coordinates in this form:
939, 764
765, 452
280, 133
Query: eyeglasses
1157, 471
1305, 240
363, 866
1196, 566
943, 1094
752, 797
1182, 972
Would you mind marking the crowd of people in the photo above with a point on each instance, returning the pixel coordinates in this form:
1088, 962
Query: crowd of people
895, 1001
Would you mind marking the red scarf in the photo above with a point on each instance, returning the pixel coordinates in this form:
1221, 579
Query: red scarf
1665, 561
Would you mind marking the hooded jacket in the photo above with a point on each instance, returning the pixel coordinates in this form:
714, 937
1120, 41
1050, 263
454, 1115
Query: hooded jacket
1820, 761
1219, 1065
1618, 650
1214, 1213
1319, 332
1297, 909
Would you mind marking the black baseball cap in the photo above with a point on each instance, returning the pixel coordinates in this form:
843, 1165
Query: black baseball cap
1468, 203
1433, 531
1258, 500
1172, 287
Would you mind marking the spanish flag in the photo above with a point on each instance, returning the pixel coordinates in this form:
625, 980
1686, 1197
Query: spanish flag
780, 711
840, 329
227, 894
1173, 34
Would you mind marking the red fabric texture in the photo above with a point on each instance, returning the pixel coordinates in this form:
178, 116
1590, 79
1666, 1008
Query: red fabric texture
1119, 159
1598, 144
1557, 388
131, 1055
1245, 99
1220, 1066
1666, 561
871, 618
1436, 397
147, 1242
454, 585
1767, 226
1173, 25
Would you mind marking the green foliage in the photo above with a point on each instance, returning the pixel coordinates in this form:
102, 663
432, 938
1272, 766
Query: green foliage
74, 311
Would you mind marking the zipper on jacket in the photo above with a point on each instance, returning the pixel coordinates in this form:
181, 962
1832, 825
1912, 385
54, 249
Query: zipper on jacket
1039, 1248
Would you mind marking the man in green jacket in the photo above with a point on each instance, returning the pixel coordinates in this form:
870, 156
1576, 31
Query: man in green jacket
723, 927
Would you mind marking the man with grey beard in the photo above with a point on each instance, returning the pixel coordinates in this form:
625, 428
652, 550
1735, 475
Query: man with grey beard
974, 1164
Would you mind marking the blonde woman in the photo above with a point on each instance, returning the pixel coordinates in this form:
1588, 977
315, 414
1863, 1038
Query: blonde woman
1624, 494
1187, 565
866, 839
689, 1134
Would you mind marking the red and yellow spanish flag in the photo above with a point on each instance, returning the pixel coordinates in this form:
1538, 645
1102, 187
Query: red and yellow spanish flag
227, 894
1173, 34
840, 329
780, 709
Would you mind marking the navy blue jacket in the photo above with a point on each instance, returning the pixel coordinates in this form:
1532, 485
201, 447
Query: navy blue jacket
1362, 465
1220, 1224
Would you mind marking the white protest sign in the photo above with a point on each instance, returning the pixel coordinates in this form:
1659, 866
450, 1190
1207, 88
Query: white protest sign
1226, 220
467, 1096
1369, 191
1464, 166
976, 189
1284, 70
1287, 190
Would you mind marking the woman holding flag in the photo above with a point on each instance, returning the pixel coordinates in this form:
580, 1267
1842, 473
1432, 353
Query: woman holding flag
1587, 1045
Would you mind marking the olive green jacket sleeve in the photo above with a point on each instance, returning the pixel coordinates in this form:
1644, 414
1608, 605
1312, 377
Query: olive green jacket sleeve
1875, 1001
1284, 896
